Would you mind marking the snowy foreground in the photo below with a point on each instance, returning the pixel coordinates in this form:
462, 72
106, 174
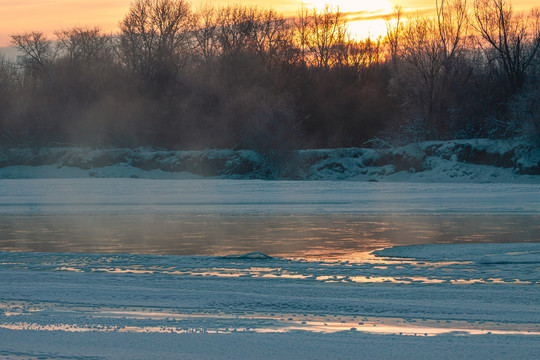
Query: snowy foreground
439, 301
433, 301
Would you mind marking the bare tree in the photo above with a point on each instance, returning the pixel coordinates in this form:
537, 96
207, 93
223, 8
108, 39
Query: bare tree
322, 36
514, 38
240, 31
273, 37
156, 40
452, 26
394, 29
87, 46
8, 73
8, 85
302, 24
363, 54
206, 33
37, 50
237, 28
432, 63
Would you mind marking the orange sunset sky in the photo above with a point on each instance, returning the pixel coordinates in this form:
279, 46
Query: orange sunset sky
16, 16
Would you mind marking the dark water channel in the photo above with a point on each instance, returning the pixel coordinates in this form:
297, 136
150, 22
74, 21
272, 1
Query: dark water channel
310, 236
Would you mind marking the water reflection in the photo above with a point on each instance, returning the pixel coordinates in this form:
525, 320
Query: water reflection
343, 237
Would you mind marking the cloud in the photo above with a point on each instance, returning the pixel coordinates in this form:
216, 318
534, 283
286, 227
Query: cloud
380, 15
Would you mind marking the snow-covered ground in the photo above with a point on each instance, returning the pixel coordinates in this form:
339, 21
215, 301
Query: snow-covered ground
456, 304
441, 301
461, 161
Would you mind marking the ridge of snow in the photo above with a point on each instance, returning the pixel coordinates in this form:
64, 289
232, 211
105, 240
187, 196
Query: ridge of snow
473, 160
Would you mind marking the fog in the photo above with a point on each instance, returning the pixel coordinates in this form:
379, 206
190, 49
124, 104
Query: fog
249, 78
327, 237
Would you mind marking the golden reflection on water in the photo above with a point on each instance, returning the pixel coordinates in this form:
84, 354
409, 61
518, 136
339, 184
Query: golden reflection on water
277, 272
327, 237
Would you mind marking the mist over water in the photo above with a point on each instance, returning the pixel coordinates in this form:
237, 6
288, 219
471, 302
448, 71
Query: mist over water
304, 236
302, 219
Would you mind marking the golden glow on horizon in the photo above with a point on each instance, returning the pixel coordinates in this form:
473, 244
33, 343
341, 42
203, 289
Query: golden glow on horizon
353, 5
51, 15
366, 16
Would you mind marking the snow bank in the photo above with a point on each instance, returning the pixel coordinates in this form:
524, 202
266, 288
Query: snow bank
126, 162
477, 160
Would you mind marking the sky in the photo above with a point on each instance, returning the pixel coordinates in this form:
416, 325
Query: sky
17, 16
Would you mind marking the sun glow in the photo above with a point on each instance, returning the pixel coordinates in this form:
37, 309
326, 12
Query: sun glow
366, 18
353, 5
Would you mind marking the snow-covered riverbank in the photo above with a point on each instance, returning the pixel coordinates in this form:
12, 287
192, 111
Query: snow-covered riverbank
477, 160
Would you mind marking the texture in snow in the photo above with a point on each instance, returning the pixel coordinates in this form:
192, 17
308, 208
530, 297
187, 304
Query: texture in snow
477, 160
195, 305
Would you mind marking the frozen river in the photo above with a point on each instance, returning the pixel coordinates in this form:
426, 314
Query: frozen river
89, 269
329, 237
287, 219
122, 196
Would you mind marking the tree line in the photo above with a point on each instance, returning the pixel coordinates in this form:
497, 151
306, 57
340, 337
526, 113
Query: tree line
247, 77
